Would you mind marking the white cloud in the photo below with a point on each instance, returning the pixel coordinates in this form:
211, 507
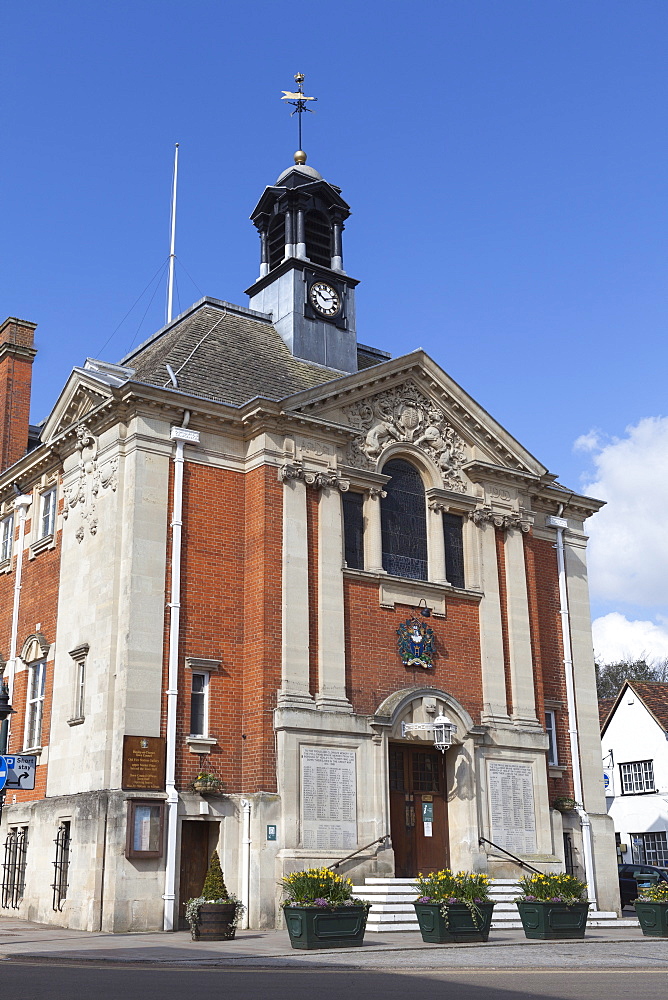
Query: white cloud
616, 638
628, 548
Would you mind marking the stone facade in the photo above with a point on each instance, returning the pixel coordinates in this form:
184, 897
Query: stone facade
261, 657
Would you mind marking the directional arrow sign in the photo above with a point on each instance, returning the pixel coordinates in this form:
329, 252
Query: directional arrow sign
3, 772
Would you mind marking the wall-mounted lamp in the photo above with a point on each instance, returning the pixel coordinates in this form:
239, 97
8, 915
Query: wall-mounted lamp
441, 728
423, 609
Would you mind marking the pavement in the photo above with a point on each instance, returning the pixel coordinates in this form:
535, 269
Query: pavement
603, 948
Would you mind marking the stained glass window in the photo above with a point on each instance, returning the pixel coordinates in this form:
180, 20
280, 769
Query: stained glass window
353, 529
454, 549
403, 518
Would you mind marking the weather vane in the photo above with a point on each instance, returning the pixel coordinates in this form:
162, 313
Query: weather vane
298, 101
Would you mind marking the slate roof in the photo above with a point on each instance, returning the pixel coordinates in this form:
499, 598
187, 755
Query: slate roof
227, 353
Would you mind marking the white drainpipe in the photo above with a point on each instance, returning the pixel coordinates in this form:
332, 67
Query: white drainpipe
245, 863
560, 524
21, 505
182, 437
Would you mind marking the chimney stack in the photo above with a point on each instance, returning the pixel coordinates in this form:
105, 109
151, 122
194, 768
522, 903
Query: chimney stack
16, 357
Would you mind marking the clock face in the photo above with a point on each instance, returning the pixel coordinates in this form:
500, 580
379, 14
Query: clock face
324, 298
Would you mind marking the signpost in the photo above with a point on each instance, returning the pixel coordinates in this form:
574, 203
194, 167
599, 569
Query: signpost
21, 771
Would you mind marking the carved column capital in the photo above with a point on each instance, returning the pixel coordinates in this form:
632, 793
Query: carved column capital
375, 493
439, 506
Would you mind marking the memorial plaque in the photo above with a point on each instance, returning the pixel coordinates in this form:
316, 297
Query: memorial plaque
328, 798
511, 806
143, 763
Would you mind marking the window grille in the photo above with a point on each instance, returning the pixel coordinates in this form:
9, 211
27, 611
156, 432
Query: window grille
403, 518
6, 537
61, 865
37, 684
637, 776
353, 529
14, 867
650, 849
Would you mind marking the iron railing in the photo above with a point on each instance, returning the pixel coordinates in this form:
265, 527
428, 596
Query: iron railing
518, 861
380, 840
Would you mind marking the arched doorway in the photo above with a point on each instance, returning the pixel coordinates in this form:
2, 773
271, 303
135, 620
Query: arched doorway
418, 809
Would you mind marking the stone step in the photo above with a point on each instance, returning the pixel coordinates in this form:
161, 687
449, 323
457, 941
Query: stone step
392, 906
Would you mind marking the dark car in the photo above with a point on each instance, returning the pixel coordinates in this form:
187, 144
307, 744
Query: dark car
630, 876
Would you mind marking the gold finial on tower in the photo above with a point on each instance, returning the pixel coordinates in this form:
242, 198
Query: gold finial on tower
298, 100
300, 157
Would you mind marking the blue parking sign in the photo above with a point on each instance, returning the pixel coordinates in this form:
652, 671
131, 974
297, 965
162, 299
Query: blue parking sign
3, 772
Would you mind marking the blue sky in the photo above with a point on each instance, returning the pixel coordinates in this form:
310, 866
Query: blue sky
506, 166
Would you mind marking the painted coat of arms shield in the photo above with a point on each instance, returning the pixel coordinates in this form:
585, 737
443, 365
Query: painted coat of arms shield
416, 642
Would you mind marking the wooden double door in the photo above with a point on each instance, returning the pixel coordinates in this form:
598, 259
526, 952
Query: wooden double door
418, 810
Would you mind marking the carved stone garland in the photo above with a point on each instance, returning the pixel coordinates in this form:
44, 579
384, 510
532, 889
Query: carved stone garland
405, 414
484, 515
317, 480
91, 479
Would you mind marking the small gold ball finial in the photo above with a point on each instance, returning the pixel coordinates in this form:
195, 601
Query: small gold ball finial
300, 157
299, 77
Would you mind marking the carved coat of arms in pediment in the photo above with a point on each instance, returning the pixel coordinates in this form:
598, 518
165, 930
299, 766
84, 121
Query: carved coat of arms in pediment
405, 414
84, 491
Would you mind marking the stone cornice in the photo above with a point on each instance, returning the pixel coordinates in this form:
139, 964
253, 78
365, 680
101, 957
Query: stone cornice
17, 351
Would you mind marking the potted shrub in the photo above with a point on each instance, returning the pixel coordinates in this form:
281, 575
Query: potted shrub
206, 783
214, 915
652, 909
553, 905
453, 907
320, 910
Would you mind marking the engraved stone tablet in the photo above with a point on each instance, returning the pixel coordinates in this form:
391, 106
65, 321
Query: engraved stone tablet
328, 798
511, 806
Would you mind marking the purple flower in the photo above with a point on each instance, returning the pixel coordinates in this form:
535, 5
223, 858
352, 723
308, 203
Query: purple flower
320, 902
530, 899
453, 899
424, 899
555, 899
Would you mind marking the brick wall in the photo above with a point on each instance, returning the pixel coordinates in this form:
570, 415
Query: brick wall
373, 667
16, 357
38, 606
231, 611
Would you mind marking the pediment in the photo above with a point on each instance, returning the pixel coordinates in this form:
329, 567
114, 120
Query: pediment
411, 401
82, 394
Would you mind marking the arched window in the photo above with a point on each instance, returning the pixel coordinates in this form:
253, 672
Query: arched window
276, 241
318, 239
403, 518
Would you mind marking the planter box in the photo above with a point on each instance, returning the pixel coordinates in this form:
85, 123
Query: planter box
216, 922
550, 921
317, 927
653, 918
460, 927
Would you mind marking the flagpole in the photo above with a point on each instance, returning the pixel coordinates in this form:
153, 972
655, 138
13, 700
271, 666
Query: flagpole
172, 243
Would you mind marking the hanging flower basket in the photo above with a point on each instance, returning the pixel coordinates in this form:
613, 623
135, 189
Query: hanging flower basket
207, 784
564, 804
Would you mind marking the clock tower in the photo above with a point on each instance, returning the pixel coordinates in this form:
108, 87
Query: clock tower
302, 283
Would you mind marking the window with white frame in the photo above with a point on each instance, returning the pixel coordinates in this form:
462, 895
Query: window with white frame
551, 730
35, 704
6, 537
199, 703
47, 521
650, 849
637, 776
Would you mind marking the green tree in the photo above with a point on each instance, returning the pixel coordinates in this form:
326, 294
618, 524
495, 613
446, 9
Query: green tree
214, 887
611, 676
